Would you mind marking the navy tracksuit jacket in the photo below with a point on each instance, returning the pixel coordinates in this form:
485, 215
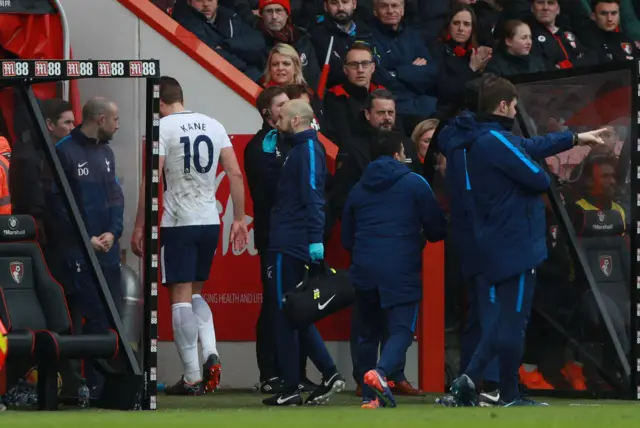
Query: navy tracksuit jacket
297, 217
297, 220
386, 219
496, 207
415, 86
89, 166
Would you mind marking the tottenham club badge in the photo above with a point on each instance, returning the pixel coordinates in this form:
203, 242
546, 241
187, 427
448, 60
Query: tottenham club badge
605, 265
16, 269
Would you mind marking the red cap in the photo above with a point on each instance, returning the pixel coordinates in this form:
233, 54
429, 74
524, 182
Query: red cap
284, 3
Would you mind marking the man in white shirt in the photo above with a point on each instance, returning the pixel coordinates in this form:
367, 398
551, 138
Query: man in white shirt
190, 146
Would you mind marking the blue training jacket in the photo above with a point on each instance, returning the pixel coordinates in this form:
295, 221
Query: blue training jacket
90, 168
386, 219
454, 141
502, 199
297, 217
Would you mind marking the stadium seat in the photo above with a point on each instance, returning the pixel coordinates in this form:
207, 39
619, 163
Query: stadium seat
609, 259
34, 310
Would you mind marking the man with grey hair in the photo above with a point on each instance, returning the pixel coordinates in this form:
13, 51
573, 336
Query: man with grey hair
89, 166
295, 241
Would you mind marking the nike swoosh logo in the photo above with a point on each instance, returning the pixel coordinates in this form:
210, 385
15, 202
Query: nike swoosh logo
383, 382
491, 397
282, 400
324, 305
80, 165
328, 382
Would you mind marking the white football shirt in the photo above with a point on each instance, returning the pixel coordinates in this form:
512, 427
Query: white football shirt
191, 144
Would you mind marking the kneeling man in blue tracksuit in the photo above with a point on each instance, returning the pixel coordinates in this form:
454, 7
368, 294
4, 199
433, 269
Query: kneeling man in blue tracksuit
386, 219
295, 240
507, 229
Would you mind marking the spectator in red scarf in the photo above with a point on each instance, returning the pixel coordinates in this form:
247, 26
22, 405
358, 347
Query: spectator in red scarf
276, 27
458, 55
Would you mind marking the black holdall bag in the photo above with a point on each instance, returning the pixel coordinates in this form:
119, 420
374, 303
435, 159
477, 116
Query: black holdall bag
324, 291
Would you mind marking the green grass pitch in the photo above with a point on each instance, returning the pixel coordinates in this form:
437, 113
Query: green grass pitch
226, 409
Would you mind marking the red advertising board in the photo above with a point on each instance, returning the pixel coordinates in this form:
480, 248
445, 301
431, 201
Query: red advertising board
234, 289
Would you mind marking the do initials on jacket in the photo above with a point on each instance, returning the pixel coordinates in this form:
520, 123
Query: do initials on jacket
90, 168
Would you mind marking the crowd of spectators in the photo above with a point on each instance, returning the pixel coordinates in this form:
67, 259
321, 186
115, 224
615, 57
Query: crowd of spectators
422, 51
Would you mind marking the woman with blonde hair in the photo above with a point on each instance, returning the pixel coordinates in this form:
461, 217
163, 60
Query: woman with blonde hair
283, 67
422, 134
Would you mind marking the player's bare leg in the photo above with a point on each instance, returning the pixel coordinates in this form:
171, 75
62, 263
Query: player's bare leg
207, 335
185, 336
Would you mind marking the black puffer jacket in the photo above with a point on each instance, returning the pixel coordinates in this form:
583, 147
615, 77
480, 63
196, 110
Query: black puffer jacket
504, 64
228, 35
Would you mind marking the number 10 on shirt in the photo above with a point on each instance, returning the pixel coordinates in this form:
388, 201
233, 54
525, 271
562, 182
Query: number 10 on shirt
193, 149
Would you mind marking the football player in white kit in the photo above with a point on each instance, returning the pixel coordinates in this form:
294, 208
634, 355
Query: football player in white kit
190, 146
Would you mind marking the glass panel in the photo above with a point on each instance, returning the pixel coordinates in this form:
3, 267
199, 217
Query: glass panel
91, 171
455, 291
572, 335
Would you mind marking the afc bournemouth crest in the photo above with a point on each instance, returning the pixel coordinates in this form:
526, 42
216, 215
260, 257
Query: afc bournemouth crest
605, 265
626, 47
16, 269
13, 223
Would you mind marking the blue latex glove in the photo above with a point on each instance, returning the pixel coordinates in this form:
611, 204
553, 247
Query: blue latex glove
269, 142
316, 251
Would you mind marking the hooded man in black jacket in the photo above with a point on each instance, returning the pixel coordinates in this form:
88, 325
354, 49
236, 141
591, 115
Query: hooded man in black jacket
224, 31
